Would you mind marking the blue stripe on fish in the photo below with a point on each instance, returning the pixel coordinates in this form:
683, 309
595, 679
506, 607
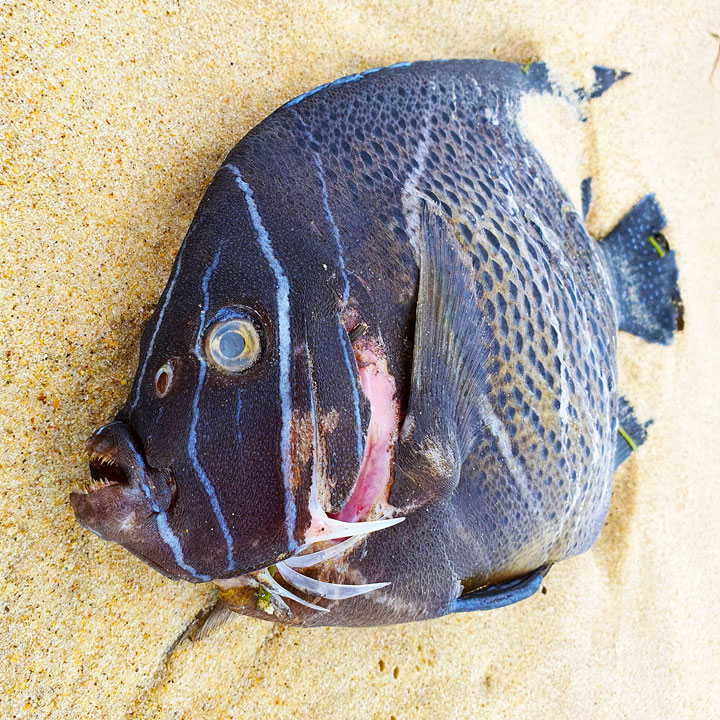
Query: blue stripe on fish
192, 437
144, 485
345, 342
283, 305
174, 544
171, 287
296, 100
344, 339
345, 80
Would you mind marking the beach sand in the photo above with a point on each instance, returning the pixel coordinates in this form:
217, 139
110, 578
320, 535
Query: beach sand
114, 117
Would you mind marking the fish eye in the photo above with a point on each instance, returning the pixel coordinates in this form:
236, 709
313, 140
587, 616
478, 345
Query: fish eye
233, 345
163, 379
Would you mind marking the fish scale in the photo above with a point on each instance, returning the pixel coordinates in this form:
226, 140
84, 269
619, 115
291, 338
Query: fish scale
441, 185
430, 417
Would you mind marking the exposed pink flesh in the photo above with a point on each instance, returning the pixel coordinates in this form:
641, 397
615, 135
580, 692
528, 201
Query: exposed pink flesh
374, 476
371, 489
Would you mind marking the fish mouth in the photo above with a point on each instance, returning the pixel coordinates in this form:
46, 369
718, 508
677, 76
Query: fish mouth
105, 472
119, 473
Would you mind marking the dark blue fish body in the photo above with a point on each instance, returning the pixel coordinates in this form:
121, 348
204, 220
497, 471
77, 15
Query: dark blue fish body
386, 309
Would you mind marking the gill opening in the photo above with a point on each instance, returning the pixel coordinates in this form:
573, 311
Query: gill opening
322, 528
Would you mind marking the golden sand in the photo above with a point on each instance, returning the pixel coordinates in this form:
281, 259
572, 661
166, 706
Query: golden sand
114, 117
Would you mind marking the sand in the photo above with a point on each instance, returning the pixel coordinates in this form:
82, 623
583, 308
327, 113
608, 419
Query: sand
114, 117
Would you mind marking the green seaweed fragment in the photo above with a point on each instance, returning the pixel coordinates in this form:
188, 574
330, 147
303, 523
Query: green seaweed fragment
264, 600
656, 245
526, 66
627, 438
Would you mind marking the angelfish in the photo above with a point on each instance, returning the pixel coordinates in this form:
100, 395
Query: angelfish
381, 384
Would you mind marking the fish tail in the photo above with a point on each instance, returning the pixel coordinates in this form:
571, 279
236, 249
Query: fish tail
644, 274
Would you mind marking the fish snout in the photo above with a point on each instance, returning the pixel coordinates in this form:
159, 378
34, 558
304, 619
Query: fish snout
119, 474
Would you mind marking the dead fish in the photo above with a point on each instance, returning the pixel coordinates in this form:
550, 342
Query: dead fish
381, 383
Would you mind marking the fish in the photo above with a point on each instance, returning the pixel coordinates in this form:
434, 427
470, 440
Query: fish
381, 383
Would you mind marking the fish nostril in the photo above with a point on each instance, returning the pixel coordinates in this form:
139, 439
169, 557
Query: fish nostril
164, 378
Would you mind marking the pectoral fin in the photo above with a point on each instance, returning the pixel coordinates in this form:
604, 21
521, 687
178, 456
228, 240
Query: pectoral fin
442, 419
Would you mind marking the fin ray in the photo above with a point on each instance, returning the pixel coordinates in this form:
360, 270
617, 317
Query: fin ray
314, 558
332, 591
275, 588
330, 529
219, 615
631, 432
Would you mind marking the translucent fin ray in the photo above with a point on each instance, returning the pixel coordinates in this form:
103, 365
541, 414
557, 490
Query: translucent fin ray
325, 528
332, 591
303, 561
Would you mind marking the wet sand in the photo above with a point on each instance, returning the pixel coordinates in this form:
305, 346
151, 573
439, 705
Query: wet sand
113, 120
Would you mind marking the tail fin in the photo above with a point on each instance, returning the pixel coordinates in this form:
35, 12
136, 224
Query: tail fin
645, 274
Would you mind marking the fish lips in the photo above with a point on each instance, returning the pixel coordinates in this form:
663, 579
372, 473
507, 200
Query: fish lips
124, 490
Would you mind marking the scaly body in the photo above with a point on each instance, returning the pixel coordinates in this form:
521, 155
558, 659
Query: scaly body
437, 337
